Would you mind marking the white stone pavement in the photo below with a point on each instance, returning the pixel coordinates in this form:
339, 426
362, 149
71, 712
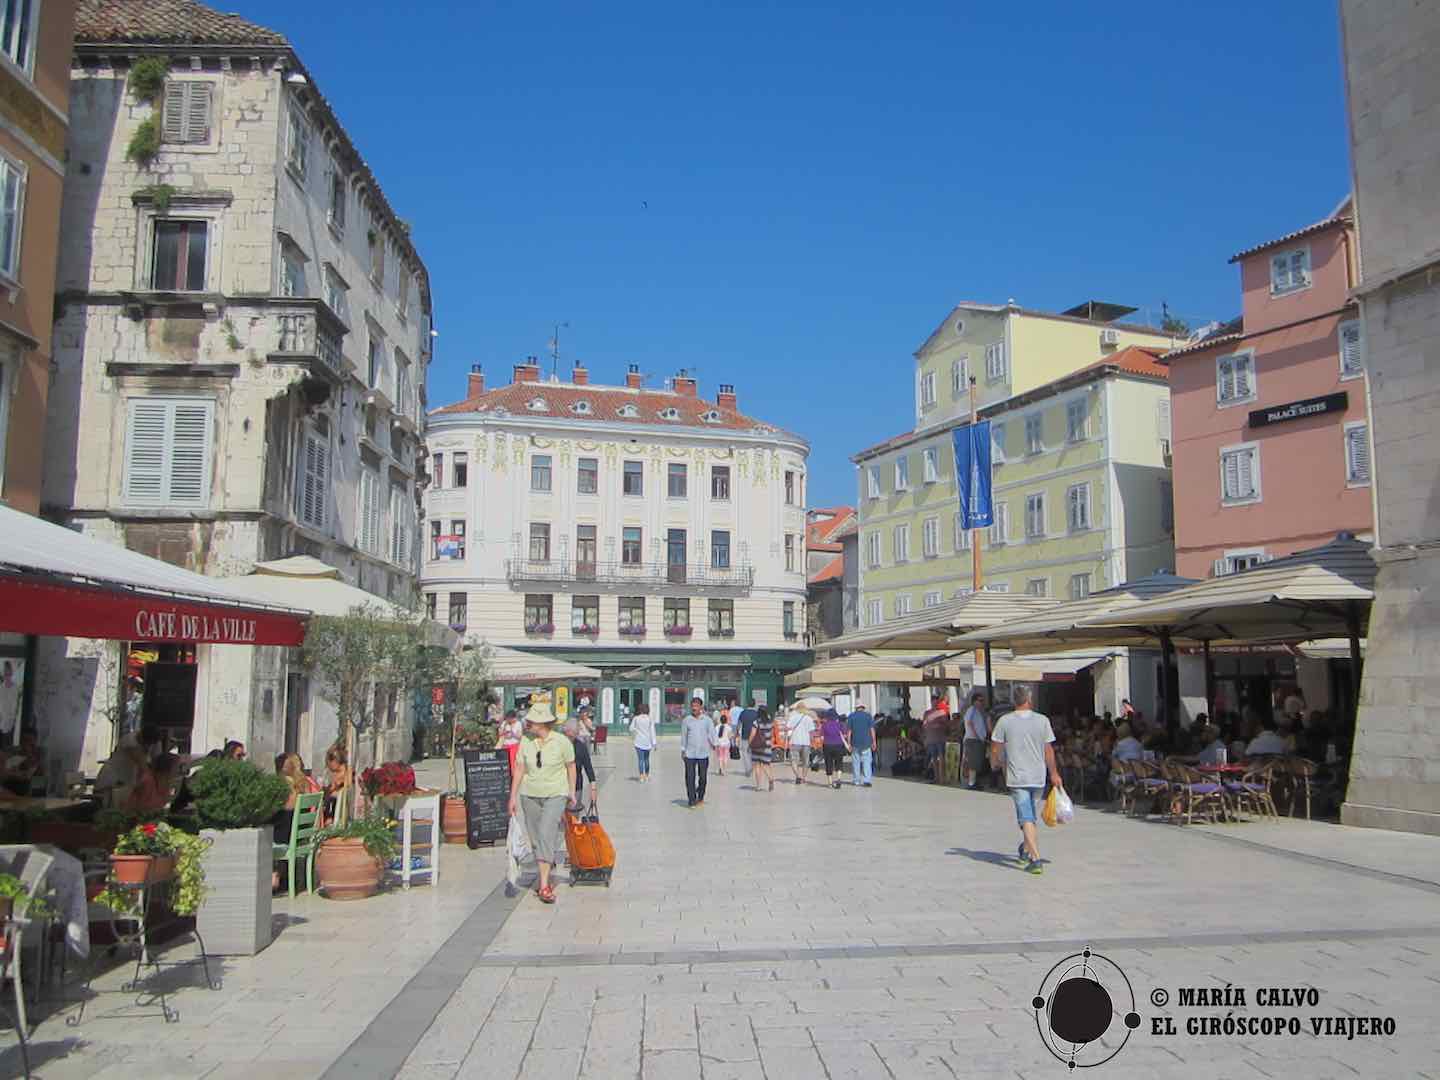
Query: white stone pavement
808, 932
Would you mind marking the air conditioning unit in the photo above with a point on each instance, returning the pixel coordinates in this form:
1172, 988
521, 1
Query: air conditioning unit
1109, 337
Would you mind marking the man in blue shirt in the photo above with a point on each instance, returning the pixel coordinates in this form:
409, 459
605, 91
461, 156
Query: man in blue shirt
862, 747
697, 740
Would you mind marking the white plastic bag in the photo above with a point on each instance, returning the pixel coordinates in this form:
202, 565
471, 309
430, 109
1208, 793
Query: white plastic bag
517, 846
1064, 808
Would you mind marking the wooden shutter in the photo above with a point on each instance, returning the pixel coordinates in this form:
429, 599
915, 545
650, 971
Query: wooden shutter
1225, 379
197, 112
1229, 476
190, 453
1162, 418
1352, 355
315, 474
1245, 474
1357, 454
173, 113
145, 451
1244, 376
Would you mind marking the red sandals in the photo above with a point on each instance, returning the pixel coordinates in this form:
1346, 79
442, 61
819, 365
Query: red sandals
546, 895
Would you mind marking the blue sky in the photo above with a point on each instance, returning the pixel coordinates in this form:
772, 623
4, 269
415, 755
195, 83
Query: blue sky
790, 198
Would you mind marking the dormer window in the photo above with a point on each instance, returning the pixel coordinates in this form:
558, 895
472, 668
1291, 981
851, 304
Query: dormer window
581, 408
537, 405
671, 413
629, 411
711, 417
1289, 271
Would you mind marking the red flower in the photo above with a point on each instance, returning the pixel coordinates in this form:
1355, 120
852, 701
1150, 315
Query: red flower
149, 830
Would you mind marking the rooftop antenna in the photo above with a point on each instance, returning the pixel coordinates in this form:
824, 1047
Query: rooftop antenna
555, 349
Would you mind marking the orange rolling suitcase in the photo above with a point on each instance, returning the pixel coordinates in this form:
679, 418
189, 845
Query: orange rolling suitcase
592, 855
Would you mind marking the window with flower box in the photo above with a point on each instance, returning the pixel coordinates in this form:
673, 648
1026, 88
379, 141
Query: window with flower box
721, 618
585, 615
677, 617
632, 616
539, 614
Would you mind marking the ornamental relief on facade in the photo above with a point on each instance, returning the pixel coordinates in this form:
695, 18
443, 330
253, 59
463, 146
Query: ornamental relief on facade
565, 450
499, 451
742, 463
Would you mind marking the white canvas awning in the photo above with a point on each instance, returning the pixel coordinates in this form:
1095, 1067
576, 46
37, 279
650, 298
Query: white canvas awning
930, 629
855, 669
514, 667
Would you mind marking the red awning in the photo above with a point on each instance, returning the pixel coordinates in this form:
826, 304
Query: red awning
36, 605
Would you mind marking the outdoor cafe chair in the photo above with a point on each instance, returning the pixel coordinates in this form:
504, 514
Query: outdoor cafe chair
1192, 792
1301, 773
1122, 783
1151, 785
602, 738
1252, 791
304, 823
32, 876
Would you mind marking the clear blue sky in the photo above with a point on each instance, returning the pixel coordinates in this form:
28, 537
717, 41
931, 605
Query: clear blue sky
823, 182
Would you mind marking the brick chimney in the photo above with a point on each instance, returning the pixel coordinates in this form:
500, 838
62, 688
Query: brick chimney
726, 397
477, 383
633, 379
529, 371
684, 385
580, 376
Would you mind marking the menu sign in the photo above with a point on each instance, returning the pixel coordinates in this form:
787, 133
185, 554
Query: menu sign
1298, 410
487, 796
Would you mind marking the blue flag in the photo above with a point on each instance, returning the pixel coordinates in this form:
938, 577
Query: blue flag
972, 473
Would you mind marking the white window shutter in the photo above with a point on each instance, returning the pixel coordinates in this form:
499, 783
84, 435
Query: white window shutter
1245, 474
314, 480
1357, 454
190, 453
145, 451
1352, 356
1230, 476
1219, 567
173, 113
1162, 418
1279, 271
1244, 376
1225, 379
197, 112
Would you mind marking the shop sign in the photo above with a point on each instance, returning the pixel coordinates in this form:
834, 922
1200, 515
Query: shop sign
1299, 410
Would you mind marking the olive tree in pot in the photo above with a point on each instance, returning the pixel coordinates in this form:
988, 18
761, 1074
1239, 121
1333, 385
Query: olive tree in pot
236, 802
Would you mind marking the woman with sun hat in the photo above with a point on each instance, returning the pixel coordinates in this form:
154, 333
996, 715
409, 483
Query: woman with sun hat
541, 788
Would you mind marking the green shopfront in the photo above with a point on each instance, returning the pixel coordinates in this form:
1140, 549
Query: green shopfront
666, 680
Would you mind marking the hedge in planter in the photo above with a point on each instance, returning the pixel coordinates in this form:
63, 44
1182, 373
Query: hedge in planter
236, 802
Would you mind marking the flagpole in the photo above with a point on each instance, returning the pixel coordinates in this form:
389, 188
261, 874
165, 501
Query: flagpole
977, 578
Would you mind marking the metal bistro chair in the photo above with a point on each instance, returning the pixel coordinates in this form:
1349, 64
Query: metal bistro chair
300, 844
1150, 785
1251, 792
1193, 793
1302, 773
32, 876
602, 738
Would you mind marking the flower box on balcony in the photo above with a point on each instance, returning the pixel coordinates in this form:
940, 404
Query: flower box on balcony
632, 631
585, 631
540, 628
722, 633
678, 631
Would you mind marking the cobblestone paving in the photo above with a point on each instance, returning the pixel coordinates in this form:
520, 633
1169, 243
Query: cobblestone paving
807, 932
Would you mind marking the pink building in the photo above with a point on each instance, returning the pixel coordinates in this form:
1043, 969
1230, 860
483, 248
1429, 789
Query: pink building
1268, 416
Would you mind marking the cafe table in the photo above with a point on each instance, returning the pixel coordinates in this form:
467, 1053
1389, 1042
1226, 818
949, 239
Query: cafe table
35, 803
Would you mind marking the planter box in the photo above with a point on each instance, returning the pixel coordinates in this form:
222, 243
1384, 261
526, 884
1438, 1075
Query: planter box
234, 920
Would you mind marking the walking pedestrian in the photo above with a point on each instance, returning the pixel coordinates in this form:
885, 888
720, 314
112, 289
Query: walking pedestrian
862, 747
977, 733
834, 741
742, 721
1025, 742
934, 725
642, 727
584, 767
762, 733
543, 781
801, 724
722, 741
697, 740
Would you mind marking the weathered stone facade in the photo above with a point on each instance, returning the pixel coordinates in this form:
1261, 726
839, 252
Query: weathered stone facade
1394, 100
298, 345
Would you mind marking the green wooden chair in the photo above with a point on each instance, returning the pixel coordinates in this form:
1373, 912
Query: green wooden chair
304, 823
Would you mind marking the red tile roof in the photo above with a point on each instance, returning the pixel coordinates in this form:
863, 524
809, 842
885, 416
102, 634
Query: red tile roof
167, 22
830, 572
605, 403
1319, 226
1135, 360
820, 535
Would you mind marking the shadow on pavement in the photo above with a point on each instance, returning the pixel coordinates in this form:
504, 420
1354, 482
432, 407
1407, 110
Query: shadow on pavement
994, 858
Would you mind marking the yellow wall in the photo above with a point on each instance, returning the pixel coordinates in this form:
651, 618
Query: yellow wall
1046, 349
981, 328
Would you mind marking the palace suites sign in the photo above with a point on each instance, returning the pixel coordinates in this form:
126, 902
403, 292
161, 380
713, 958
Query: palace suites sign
30, 605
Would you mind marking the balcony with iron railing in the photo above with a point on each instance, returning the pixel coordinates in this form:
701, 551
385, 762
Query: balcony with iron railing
640, 575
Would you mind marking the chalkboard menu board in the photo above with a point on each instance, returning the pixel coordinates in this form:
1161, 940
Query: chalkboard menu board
487, 796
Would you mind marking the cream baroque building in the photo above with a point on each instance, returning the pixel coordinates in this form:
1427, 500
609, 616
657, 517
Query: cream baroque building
649, 533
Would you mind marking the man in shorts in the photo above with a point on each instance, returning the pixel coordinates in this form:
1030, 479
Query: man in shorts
1025, 742
799, 725
935, 727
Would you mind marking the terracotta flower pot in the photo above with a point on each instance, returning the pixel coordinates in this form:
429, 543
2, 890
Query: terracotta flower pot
452, 819
138, 869
345, 870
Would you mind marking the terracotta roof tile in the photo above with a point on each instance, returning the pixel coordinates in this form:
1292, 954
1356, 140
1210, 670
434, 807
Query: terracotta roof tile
829, 572
818, 534
1319, 226
1135, 359
165, 22
606, 403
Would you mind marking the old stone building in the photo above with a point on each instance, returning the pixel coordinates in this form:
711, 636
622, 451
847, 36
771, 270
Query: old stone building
241, 344
1393, 84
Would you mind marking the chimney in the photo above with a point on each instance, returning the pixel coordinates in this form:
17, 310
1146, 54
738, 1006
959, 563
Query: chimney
529, 371
683, 384
477, 383
580, 376
633, 378
726, 397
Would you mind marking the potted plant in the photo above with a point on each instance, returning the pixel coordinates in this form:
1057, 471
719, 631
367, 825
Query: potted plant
352, 857
157, 852
387, 785
235, 802
469, 694
544, 628
677, 631
632, 631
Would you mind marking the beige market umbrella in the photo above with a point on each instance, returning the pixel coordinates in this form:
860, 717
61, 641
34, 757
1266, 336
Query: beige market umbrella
514, 667
930, 629
856, 668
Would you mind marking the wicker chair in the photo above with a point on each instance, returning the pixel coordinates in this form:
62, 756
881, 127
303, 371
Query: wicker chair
1122, 784
1253, 791
1192, 793
1301, 772
1152, 785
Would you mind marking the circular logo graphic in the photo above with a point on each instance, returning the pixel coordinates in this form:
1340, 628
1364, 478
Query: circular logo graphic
1085, 1010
